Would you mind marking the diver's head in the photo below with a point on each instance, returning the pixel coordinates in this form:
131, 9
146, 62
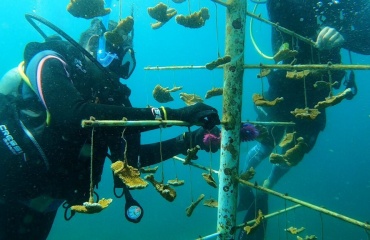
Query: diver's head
112, 48
120, 60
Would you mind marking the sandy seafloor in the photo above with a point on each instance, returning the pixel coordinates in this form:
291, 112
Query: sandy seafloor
335, 174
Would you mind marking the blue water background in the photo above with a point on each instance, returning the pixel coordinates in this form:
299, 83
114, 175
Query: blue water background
335, 174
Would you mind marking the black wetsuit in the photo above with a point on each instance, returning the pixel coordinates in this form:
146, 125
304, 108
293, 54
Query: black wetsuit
305, 17
72, 89
351, 19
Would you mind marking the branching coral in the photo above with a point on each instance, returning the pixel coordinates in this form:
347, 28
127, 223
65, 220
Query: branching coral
190, 99
306, 113
191, 154
219, 61
129, 175
250, 229
333, 100
294, 230
214, 92
87, 8
176, 182
161, 13
191, 208
259, 100
248, 175
166, 191
195, 20
292, 156
211, 203
209, 179
263, 73
284, 53
288, 139
119, 34
297, 75
91, 207
162, 94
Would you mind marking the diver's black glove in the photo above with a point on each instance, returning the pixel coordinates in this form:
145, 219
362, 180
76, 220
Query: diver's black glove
197, 114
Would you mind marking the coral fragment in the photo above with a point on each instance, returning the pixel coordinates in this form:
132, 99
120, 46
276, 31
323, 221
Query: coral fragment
87, 8
214, 92
333, 100
190, 99
211, 203
190, 209
166, 191
91, 207
209, 179
219, 61
259, 100
162, 94
292, 156
195, 20
129, 175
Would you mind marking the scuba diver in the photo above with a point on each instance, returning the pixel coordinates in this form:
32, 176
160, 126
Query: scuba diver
45, 153
333, 25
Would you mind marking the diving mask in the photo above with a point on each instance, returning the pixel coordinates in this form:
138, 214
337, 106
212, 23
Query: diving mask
120, 61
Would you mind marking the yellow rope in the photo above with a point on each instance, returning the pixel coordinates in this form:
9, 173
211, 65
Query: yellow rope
252, 38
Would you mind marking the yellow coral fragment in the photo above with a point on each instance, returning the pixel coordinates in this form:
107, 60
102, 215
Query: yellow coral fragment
195, 20
294, 230
311, 237
334, 100
214, 92
161, 13
87, 8
149, 170
306, 113
162, 94
288, 139
292, 156
190, 99
260, 101
211, 203
284, 53
119, 34
129, 175
297, 75
250, 229
248, 175
91, 208
324, 84
219, 61
176, 182
190, 209
166, 191
209, 179
191, 154
263, 73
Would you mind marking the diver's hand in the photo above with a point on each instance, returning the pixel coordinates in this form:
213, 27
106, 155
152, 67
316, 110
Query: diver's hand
329, 38
197, 114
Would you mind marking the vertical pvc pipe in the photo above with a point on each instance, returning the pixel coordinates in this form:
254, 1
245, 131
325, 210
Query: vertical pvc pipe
231, 118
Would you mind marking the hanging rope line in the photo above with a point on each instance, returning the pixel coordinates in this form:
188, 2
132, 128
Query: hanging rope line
91, 198
217, 39
160, 153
